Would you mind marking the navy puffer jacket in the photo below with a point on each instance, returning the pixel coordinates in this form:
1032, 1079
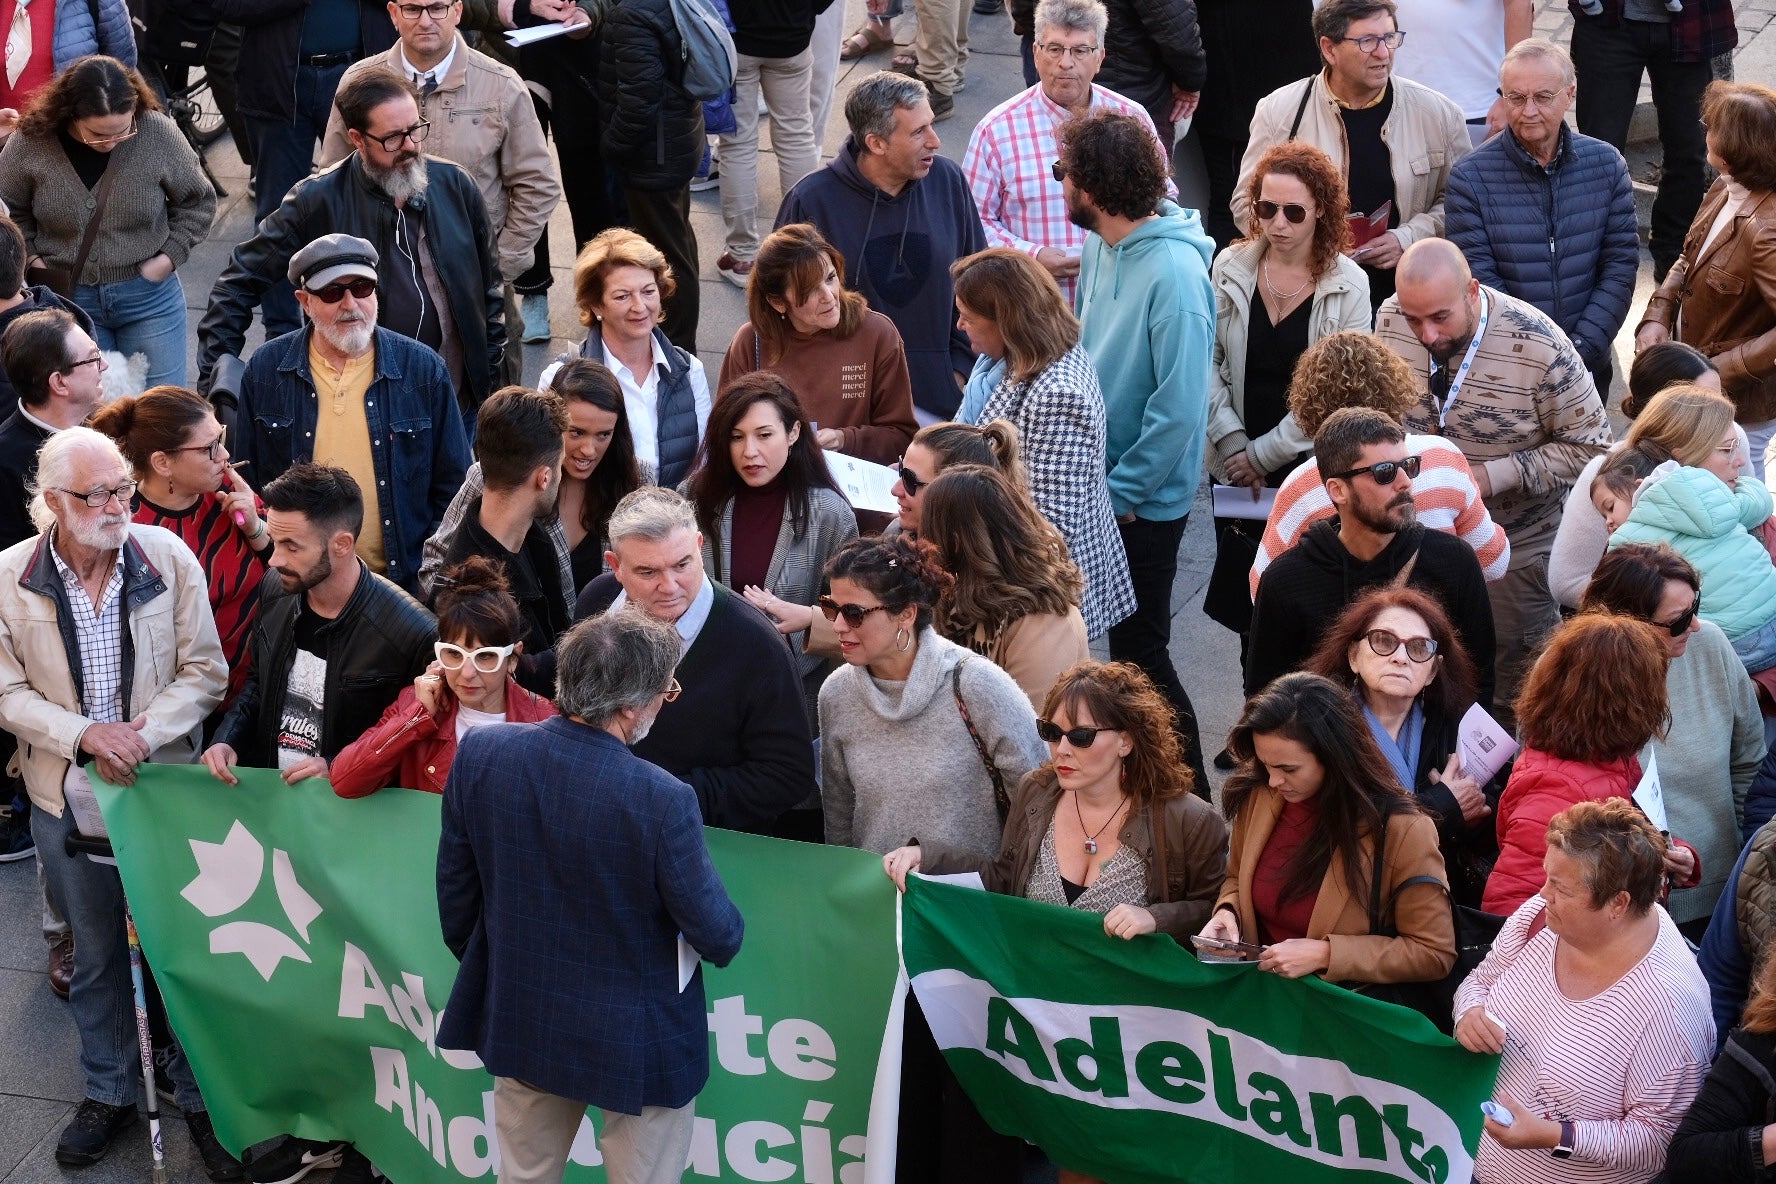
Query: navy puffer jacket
1562, 238
653, 129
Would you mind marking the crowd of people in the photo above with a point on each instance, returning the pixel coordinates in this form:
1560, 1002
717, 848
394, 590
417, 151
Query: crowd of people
602, 613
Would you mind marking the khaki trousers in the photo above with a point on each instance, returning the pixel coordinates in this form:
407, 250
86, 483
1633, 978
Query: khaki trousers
536, 1132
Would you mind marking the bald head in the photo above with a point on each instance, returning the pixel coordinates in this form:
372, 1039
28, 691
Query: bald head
1433, 260
1438, 296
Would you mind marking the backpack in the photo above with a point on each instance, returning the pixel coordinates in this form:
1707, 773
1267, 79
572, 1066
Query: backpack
707, 55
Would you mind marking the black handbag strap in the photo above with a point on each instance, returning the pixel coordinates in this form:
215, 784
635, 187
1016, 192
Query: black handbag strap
1306, 94
1001, 799
1388, 927
91, 233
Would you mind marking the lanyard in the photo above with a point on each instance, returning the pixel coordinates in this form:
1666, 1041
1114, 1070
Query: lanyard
1461, 373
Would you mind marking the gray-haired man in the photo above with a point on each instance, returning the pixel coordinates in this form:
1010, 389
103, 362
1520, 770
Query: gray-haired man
739, 733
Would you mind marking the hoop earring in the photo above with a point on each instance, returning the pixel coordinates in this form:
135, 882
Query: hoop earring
902, 639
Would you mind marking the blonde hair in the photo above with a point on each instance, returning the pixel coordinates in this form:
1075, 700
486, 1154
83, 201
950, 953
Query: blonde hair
614, 248
1686, 421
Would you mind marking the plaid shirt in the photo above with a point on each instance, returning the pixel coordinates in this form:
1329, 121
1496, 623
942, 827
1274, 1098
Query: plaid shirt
99, 630
1703, 30
1010, 167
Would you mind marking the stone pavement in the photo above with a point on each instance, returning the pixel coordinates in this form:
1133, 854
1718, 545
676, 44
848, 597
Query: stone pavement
40, 1079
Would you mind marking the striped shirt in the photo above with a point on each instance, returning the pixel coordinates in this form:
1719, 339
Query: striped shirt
1444, 493
234, 571
1010, 167
1622, 1066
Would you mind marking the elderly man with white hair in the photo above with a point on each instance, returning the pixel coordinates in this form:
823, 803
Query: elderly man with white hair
108, 658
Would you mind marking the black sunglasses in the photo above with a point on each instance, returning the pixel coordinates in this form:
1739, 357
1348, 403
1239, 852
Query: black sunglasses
1383, 473
361, 288
1680, 624
1419, 649
1267, 210
1060, 173
1050, 733
853, 613
908, 478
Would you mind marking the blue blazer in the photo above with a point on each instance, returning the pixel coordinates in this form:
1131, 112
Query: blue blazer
567, 868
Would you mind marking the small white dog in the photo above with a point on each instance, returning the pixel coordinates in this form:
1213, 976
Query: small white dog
125, 374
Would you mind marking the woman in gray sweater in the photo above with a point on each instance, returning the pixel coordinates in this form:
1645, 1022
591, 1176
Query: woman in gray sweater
919, 737
95, 145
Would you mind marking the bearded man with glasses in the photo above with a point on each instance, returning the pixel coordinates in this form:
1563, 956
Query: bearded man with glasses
1375, 540
437, 277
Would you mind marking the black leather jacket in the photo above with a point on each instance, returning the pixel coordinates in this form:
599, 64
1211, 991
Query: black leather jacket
342, 199
377, 646
1151, 46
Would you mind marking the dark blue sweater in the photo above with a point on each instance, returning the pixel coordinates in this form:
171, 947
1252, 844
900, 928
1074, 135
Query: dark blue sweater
1562, 238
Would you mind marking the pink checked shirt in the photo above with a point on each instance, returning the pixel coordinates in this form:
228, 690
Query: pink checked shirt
1010, 163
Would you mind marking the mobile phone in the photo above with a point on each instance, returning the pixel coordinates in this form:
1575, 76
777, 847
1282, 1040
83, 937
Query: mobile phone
1496, 1112
1243, 950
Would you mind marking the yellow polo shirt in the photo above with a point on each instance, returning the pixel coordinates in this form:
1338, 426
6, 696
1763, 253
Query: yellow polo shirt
342, 438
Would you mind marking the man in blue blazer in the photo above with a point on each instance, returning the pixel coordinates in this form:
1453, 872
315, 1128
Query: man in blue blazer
568, 868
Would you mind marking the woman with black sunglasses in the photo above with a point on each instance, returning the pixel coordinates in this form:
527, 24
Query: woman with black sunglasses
1709, 760
1412, 679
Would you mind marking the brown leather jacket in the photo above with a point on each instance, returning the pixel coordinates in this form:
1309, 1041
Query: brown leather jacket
1195, 852
1728, 299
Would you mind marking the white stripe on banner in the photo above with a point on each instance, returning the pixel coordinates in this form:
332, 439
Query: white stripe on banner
1158, 1059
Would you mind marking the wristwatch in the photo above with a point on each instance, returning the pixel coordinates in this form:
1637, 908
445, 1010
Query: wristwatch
1569, 1137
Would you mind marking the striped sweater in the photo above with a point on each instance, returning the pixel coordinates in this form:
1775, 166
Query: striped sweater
1528, 412
1622, 1066
1444, 492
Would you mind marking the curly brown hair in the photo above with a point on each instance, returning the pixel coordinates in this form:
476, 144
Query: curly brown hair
1325, 184
1350, 369
1450, 693
1122, 698
92, 86
897, 571
1114, 160
1597, 693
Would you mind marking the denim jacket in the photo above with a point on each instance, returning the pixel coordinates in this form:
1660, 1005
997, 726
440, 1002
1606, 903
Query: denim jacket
416, 432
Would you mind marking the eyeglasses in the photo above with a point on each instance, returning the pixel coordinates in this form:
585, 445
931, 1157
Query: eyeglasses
100, 141
1060, 174
213, 449
1050, 733
1543, 99
1383, 473
1680, 624
393, 141
1368, 42
488, 659
413, 12
1079, 53
908, 478
1419, 649
97, 498
853, 613
361, 288
1296, 214
96, 360
672, 691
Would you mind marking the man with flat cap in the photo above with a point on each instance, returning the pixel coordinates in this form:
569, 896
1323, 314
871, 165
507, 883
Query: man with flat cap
344, 391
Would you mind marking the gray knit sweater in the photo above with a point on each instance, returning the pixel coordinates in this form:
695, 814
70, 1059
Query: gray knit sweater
897, 762
160, 201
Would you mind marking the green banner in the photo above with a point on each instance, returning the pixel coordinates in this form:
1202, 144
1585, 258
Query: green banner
295, 938
1137, 1064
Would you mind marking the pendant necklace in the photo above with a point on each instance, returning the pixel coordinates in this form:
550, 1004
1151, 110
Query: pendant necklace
1091, 840
1282, 298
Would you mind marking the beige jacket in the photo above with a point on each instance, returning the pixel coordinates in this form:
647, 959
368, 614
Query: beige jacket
1340, 302
1425, 134
482, 119
177, 676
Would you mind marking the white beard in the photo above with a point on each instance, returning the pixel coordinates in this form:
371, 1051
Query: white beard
350, 338
403, 182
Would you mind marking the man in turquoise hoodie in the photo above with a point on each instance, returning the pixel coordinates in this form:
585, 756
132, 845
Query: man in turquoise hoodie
1147, 318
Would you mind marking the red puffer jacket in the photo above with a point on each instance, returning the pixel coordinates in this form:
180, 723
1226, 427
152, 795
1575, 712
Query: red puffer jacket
409, 748
1540, 787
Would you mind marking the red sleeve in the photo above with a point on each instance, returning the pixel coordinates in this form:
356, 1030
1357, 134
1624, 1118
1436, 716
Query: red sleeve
370, 762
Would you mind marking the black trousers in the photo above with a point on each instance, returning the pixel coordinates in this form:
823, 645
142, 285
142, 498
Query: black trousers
1221, 164
663, 217
1145, 637
1610, 61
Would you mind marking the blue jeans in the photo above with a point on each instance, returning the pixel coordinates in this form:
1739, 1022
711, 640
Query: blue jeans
101, 997
283, 154
139, 316
1757, 649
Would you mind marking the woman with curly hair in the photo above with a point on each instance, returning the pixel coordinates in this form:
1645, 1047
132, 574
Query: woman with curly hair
1590, 704
111, 199
844, 361
1350, 369
1413, 680
1034, 374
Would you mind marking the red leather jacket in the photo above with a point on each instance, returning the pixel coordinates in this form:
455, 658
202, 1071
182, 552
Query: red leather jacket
1540, 787
409, 748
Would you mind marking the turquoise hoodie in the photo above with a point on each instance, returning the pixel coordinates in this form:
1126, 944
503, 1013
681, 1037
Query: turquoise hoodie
1147, 318
1710, 525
